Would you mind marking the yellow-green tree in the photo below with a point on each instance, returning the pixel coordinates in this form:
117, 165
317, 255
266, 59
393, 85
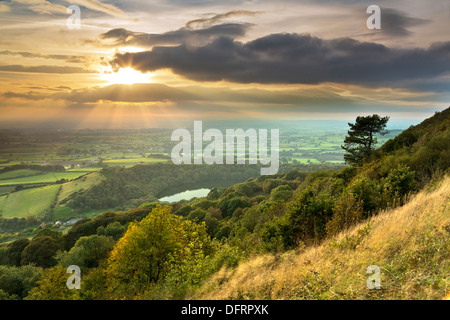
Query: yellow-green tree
161, 245
52, 286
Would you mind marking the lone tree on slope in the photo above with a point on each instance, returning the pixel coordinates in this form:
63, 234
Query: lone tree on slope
361, 139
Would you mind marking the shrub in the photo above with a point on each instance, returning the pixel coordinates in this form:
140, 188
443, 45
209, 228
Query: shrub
368, 192
276, 235
282, 192
399, 182
347, 212
88, 252
308, 215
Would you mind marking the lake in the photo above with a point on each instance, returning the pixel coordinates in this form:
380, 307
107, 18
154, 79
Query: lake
186, 195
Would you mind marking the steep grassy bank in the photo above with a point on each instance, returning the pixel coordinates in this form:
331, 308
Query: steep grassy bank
410, 245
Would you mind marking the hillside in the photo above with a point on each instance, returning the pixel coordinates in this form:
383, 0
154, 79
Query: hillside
423, 147
295, 235
410, 244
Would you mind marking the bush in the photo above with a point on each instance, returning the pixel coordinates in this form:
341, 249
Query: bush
347, 212
308, 215
276, 235
87, 252
282, 193
368, 192
399, 182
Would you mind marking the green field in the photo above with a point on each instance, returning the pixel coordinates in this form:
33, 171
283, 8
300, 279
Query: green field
306, 160
48, 177
6, 189
132, 161
17, 174
86, 169
62, 213
85, 182
28, 202
66, 213
83, 153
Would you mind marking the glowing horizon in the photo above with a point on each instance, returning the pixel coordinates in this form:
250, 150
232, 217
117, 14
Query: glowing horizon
265, 60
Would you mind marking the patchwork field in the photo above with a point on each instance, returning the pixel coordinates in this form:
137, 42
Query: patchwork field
85, 182
47, 177
18, 174
28, 202
84, 153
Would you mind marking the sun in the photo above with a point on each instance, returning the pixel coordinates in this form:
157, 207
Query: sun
126, 76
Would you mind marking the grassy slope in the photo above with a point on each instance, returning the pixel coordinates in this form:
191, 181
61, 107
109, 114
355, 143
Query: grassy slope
48, 177
410, 244
17, 173
81, 184
28, 202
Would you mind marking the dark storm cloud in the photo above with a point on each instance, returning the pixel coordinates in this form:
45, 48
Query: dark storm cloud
214, 19
397, 23
294, 58
198, 31
124, 37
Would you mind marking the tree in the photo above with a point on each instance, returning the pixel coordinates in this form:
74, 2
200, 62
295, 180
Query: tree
114, 230
41, 252
52, 286
361, 139
16, 282
88, 252
14, 251
307, 217
283, 193
57, 235
160, 244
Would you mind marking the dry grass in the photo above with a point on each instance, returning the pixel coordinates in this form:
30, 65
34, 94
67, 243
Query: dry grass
410, 244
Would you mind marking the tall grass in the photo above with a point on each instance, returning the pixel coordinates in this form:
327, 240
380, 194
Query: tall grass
410, 245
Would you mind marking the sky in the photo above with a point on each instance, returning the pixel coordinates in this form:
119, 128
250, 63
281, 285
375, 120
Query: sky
157, 63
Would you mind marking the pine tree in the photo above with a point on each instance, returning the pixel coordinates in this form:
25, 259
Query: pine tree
361, 139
